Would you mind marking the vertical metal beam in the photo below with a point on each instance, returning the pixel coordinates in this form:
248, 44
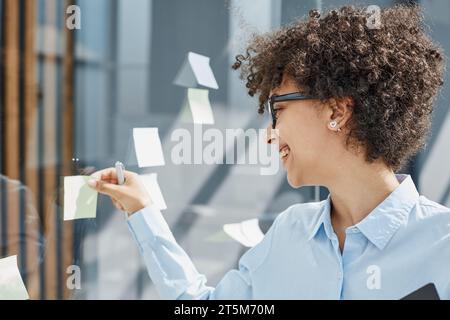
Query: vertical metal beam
67, 134
3, 209
48, 122
30, 139
11, 122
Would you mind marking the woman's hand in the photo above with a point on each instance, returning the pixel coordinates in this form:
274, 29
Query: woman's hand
129, 197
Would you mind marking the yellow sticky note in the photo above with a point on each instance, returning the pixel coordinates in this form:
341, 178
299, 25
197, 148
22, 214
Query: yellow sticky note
11, 283
80, 200
198, 100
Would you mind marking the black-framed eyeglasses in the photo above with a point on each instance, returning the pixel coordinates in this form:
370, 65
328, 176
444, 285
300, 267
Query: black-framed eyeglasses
282, 98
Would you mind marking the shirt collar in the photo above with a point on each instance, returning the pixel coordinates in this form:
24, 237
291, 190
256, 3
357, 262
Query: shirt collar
382, 223
324, 219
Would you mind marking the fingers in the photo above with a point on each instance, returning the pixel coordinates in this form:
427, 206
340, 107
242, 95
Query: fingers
125, 197
110, 175
109, 189
129, 176
105, 174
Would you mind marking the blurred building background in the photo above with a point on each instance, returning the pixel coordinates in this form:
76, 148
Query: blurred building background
69, 100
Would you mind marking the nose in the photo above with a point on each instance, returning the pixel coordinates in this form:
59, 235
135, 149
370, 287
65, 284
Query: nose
271, 135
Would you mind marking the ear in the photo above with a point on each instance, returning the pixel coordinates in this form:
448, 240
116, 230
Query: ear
338, 113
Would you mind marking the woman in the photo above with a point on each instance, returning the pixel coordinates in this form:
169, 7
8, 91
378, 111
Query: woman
351, 104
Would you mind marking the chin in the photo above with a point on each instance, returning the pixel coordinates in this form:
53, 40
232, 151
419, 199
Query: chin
294, 181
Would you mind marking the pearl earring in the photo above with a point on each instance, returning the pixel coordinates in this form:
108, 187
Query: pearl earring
333, 124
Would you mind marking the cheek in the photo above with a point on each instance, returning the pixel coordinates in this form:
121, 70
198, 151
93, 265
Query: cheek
306, 141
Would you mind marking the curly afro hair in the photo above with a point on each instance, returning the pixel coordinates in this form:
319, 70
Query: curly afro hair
392, 73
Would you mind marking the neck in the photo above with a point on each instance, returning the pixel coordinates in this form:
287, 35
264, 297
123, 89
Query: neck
355, 192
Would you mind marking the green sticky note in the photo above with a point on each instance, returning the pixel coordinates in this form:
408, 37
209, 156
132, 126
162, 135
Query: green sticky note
200, 106
80, 200
11, 283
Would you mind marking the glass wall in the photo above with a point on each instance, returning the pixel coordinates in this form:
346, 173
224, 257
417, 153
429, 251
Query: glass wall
71, 97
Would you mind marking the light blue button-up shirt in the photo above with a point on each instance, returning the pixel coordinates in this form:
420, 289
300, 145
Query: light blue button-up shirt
403, 244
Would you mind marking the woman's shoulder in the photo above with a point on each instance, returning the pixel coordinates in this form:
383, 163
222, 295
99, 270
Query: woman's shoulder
306, 214
429, 209
430, 215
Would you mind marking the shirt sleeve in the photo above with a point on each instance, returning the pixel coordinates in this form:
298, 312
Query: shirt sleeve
173, 272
